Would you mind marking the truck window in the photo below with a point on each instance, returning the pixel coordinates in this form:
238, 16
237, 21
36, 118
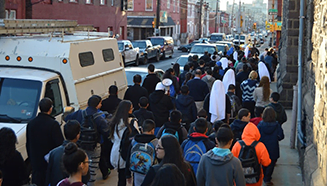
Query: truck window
108, 55
86, 59
52, 91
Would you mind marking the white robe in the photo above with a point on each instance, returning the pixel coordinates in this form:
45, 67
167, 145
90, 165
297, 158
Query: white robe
229, 78
224, 62
217, 104
235, 55
246, 52
263, 71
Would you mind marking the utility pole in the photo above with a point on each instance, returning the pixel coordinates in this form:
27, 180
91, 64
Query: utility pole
157, 19
232, 14
239, 23
216, 16
200, 19
273, 24
2, 9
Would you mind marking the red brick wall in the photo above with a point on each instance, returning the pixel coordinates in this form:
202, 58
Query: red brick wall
18, 5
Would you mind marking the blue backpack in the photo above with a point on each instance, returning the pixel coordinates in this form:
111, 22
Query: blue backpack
142, 157
193, 151
170, 131
172, 91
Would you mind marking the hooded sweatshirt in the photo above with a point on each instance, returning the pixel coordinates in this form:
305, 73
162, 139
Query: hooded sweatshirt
271, 134
182, 132
237, 127
281, 116
219, 167
250, 134
186, 105
160, 104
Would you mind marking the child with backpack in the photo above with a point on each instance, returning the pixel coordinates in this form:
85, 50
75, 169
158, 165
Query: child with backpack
218, 166
141, 155
142, 114
281, 116
271, 133
235, 103
250, 150
197, 144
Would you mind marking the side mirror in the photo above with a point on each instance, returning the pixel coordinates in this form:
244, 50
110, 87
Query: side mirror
126, 48
148, 46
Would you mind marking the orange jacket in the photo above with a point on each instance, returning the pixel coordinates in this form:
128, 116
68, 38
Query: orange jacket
250, 134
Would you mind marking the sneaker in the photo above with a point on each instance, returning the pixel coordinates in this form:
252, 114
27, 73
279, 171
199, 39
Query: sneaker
104, 177
269, 183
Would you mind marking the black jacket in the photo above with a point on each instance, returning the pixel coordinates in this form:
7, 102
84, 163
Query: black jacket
140, 138
237, 127
198, 89
42, 135
281, 116
110, 104
160, 105
182, 133
186, 105
14, 171
143, 114
150, 82
134, 93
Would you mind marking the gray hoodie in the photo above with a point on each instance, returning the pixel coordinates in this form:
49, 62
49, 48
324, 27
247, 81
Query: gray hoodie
219, 167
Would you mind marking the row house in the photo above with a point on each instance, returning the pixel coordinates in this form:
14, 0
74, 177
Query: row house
104, 15
219, 23
141, 15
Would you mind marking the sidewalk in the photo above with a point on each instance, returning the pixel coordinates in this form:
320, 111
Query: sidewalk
287, 170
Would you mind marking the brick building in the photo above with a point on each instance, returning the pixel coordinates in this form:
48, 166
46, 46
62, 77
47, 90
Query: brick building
141, 14
104, 15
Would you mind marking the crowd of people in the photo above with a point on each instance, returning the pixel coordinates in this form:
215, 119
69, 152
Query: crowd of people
216, 123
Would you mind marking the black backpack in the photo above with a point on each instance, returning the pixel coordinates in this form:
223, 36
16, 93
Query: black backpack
250, 163
89, 136
126, 140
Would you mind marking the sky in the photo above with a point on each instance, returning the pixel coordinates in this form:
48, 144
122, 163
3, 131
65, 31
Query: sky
224, 2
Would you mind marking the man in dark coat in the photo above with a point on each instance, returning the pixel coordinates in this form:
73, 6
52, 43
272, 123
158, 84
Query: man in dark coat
150, 80
55, 171
110, 104
135, 92
143, 114
160, 105
186, 105
42, 135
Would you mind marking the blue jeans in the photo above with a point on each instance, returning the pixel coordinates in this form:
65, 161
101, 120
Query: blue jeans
268, 171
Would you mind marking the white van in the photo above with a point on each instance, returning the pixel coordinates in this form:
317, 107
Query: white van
67, 69
214, 37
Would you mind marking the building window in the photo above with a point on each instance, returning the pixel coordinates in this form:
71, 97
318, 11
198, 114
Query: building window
52, 91
88, 1
59, 0
102, 2
174, 5
12, 14
130, 5
73, 1
168, 4
177, 6
149, 5
86, 59
108, 55
7, 14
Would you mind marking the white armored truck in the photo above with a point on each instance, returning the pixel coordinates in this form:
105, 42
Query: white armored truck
62, 66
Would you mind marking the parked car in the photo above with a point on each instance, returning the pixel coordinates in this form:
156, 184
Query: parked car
142, 71
200, 48
222, 47
147, 50
204, 40
217, 37
182, 61
229, 37
187, 47
241, 39
166, 45
128, 52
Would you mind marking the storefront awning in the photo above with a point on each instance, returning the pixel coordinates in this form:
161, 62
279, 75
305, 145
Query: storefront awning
146, 22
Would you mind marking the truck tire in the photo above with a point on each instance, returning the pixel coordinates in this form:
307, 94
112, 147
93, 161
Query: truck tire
158, 57
137, 61
145, 60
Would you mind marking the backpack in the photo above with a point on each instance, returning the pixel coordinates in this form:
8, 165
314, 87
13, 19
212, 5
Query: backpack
250, 163
233, 104
193, 151
126, 140
142, 157
170, 131
89, 136
172, 91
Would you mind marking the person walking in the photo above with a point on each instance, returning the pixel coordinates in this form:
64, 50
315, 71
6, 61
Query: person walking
220, 159
135, 92
12, 164
42, 135
76, 164
248, 86
151, 79
169, 151
142, 114
281, 116
123, 127
261, 95
271, 133
110, 104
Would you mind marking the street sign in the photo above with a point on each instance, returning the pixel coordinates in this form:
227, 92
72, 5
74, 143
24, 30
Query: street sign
273, 10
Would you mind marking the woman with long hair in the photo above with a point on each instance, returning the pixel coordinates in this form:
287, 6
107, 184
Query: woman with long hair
176, 68
11, 162
271, 133
169, 151
76, 164
169, 174
123, 126
188, 77
248, 86
261, 95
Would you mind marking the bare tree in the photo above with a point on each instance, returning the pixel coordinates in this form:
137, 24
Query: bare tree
2, 9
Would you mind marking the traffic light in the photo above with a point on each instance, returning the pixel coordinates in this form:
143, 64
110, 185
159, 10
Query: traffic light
254, 26
241, 21
153, 24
